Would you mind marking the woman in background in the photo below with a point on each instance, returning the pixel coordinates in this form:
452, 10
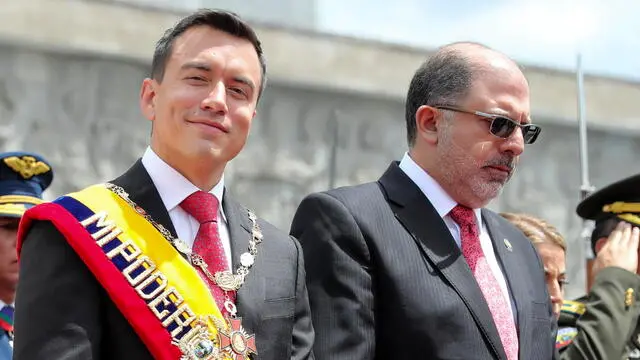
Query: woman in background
552, 249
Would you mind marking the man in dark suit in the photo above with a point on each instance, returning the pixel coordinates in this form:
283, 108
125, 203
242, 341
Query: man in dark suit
399, 268
23, 178
161, 262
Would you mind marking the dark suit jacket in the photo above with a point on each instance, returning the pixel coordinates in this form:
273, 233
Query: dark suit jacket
62, 312
386, 279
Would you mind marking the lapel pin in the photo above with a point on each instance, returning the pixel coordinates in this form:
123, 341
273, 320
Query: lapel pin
507, 244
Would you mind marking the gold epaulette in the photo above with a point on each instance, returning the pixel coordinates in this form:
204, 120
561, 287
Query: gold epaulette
573, 307
627, 211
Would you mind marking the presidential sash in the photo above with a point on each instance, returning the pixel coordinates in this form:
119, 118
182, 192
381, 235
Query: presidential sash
156, 289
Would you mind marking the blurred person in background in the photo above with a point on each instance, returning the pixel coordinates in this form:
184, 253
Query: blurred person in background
23, 178
162, 262
551, 247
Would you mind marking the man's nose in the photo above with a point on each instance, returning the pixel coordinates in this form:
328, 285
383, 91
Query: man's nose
216, 100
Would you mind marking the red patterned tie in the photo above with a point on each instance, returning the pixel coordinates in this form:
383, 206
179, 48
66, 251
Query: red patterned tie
498, 305
203, 206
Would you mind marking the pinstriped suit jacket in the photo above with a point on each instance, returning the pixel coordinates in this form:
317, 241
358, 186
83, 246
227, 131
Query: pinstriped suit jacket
387, 281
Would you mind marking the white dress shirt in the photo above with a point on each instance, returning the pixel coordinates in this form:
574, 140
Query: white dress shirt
173, 189
443, 203
2, 304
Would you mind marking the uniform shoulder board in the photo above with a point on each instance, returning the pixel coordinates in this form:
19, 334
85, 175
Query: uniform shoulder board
572, 307
565, 336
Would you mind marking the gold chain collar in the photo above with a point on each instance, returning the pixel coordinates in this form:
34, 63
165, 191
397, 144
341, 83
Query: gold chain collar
225, 279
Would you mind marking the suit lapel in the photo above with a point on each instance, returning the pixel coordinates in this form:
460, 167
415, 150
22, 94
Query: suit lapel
509, 259
138, 184
431, 234
249, 297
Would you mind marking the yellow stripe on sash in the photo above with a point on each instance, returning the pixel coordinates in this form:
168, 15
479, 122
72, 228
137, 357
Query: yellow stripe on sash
178, 272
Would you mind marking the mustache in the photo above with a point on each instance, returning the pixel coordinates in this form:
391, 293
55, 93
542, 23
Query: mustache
506, 161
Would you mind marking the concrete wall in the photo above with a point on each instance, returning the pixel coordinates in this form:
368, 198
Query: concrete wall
69, 85
300, 14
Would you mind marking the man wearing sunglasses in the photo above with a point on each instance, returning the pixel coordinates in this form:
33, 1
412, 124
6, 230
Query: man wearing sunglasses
412, 266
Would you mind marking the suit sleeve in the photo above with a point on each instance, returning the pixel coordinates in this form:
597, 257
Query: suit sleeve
303, 335
339, 279
57, 301
607, 323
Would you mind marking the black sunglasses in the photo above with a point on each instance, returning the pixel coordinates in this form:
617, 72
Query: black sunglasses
501, 126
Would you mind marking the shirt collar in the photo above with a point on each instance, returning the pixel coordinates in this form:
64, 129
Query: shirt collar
171, 185
441, 201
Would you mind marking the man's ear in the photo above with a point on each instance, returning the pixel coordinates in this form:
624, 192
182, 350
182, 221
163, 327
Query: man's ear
427, 124
600, 243
148, 98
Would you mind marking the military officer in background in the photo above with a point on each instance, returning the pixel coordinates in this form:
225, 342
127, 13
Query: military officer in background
604, 323
23, 178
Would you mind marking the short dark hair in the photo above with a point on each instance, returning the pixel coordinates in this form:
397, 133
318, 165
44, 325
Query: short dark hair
441, 80
604, 226
222, 20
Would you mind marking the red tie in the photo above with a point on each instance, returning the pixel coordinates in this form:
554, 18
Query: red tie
203, 206
498, 305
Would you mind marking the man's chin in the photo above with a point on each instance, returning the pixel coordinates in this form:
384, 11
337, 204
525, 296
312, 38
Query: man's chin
9, 281
13, 279
488, 191
203, 150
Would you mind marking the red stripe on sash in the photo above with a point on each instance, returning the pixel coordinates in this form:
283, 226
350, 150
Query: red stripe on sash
150, 330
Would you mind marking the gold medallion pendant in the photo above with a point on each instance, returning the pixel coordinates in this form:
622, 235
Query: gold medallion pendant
231, 343
199, 347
